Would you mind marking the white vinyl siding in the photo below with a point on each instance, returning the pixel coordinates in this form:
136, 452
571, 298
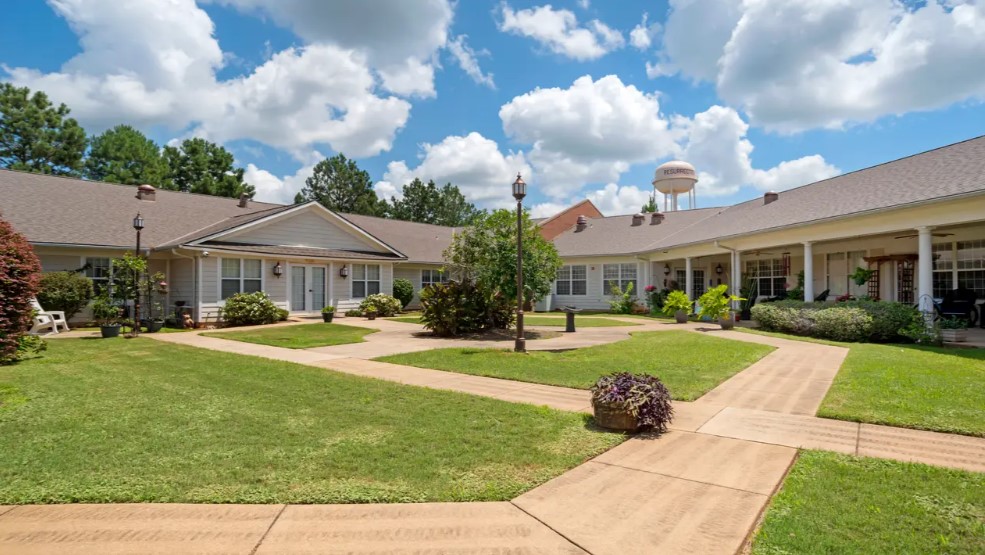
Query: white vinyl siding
306, 229
572, 280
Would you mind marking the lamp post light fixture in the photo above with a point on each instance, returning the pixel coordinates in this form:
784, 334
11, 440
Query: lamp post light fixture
278, 271
344, 271
719, 270
138, 224
519, 191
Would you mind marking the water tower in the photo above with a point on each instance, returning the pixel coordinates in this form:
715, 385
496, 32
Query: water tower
674, 178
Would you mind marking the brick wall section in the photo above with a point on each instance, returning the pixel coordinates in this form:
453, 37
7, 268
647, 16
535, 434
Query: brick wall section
564, 220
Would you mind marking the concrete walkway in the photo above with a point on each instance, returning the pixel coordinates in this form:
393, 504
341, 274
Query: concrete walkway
699, 488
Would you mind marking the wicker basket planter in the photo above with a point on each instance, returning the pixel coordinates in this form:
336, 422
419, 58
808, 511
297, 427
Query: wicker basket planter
613, 417
954, 335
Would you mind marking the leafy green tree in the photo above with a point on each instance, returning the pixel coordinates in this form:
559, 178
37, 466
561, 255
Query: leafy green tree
650, 206
485, 252
338, 184
36, 136
200, 166
125, 155
429, 204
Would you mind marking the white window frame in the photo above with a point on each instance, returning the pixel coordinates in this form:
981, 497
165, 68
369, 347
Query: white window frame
775, 265
625, 269
434, 276
365, 279
567, 275
241, 278
91, 270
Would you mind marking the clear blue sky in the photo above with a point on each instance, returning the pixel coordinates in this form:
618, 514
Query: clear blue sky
585, 97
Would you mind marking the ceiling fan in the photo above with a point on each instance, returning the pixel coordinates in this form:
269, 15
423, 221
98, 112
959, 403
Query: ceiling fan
917, 234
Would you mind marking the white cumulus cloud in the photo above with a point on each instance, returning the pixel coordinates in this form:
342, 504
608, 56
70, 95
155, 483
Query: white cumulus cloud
467, 59
642, 36
560, 32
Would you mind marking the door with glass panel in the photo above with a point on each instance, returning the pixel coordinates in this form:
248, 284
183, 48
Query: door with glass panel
307, 288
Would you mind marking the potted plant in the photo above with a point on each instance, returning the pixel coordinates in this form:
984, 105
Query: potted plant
370, 313
327, 314
954, 330
861, 276
107, 316
716, 304
749, 291
631, 402
678, 305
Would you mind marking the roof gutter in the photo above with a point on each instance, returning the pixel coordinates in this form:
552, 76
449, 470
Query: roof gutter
210, 248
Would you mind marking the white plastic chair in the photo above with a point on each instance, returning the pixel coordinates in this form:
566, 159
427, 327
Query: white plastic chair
57, 316
41, 322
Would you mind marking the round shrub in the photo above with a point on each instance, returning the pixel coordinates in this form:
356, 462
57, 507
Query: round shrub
282, 314
69, 292
642, 395
250, 309
20, 273
384, 304
842, 324
455, 308
403, 291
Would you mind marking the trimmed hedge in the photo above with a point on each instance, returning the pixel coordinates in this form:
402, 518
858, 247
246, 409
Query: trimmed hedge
69, 292
860, 321
384, 304
250, 309
403, 291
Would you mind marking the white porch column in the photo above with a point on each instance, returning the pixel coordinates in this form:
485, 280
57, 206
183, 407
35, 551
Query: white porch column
688, 279
736, 286
925, 269
808, 271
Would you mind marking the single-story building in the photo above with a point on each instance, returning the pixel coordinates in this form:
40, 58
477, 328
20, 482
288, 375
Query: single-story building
917, 222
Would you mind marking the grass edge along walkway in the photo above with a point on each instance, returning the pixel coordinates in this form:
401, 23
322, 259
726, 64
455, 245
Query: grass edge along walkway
297, 336
140, 420
688, 363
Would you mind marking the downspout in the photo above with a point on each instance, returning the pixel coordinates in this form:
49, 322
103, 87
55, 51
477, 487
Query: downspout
194, 259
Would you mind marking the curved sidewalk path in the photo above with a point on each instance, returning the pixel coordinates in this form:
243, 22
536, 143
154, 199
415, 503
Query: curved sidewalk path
700, 488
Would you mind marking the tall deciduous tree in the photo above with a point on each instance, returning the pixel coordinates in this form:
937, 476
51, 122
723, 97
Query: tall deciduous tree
200, 166
485, 252
37, 136
125, 155
338, 184
432, 205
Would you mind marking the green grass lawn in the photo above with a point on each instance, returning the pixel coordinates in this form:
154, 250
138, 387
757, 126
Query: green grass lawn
580, 322
690, 364
832, 503
138, 420
300, 336
927, 388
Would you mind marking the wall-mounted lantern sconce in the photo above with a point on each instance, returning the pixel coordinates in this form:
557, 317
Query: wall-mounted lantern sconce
719, 270
666, 270
344, 271
278, 271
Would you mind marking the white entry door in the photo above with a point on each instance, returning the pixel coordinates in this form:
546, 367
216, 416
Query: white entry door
307, 288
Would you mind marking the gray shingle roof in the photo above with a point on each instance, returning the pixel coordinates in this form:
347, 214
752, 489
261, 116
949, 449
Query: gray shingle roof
942, 173
50, 209
419, 242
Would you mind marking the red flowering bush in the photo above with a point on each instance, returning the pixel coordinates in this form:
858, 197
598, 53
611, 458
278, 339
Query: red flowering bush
20, 274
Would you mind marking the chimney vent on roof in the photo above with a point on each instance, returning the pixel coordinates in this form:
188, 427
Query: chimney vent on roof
244, 200
146, 192
656, 218
771, 196
638, 219
581, 223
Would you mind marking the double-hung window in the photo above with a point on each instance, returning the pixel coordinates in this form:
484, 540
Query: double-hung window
240, 275
430, 277
971, 266
769, 275
619, 274
572, 280
365, 280
100, 271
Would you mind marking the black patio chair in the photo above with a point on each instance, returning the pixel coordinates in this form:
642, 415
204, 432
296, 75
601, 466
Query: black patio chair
959, 303
823, 296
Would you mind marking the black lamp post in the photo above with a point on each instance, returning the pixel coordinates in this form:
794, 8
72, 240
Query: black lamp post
138, 224
519, 191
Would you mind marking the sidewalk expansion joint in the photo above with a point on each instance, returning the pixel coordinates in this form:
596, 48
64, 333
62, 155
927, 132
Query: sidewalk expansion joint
671, 476
9, 510
551, 528
269, 528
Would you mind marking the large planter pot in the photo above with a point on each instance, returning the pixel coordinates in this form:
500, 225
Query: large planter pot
681, 317
954, 336
615, 418
110, 331
371, 317
727, 322
153, 326
327, 317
